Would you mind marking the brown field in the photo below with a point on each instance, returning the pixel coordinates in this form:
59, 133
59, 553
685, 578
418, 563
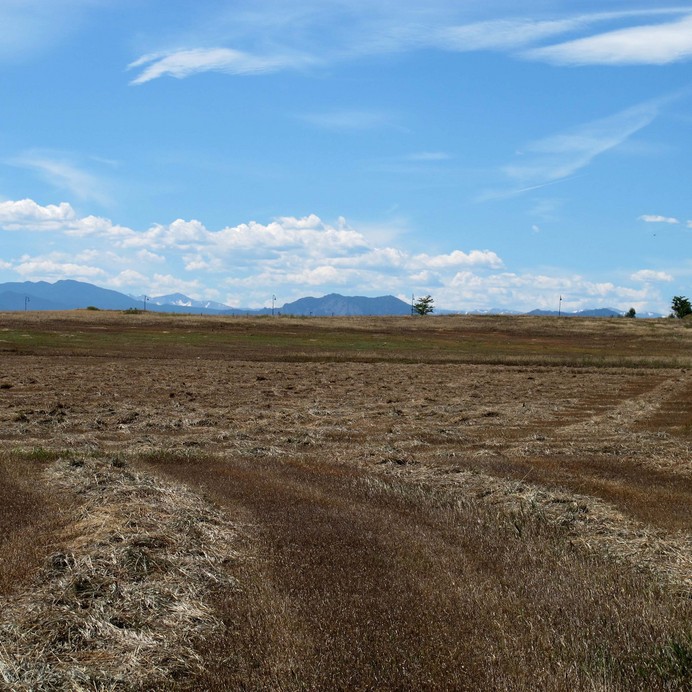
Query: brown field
345, 503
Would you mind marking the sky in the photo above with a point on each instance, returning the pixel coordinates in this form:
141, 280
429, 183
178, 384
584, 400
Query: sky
490, 153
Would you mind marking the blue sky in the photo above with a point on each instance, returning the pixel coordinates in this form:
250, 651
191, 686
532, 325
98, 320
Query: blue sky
490, 153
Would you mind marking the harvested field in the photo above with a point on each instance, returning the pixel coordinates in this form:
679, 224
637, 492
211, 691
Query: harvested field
397, 503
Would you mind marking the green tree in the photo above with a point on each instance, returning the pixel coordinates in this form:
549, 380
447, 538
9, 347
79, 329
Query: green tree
681, 307
423, 306
631, 313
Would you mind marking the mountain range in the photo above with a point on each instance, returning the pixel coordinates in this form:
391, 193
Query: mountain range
72, 295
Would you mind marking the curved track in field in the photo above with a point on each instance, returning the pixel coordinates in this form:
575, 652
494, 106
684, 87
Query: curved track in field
357, 583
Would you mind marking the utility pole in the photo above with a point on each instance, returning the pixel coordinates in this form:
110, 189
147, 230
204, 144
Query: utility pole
145, 299
559, 308
27, 300
273, 301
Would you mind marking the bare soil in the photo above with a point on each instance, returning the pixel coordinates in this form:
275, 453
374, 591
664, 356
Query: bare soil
422, 504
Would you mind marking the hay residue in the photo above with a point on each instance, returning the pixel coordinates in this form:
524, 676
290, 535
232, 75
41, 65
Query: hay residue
587, 521
121, 605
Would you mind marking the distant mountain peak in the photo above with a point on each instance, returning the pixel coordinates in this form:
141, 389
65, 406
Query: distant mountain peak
336, 304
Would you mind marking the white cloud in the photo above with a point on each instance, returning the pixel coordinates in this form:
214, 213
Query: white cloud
128, 279
63, 174
654, 44
41, 269
195, 263
147, 256
504, 34
529, 291
655, 218
27, 215
319, 276
162, 284
325, 32
184, 63
290, 255
562, 155
647, 275
457, 258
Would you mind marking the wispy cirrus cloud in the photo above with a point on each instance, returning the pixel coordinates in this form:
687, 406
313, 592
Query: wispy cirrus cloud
522, 35
184, 63
503, 34
61, 172
560, 156
652, 44
243, 41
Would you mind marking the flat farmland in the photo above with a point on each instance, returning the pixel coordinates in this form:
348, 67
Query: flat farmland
345, 503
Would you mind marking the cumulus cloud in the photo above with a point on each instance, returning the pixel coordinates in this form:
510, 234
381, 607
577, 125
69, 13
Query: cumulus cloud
37, 269
127, 279
543, 291
289, 256
655, 218
161, 284
27, 215
457, 258
147, 256
648, 275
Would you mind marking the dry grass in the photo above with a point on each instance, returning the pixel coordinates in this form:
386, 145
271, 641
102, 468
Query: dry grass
414, 518
120, 606
380, 583
448, 339
31, 518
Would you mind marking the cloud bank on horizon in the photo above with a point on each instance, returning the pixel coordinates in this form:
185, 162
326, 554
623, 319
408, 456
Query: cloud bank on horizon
491, 155
249, 261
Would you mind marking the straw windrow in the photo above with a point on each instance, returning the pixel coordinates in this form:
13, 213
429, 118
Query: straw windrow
122, 604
